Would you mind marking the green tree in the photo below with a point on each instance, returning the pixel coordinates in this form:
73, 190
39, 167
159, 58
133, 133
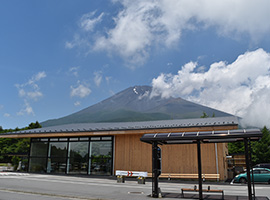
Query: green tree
11, 146
204, 115
261, 148
236, 147
34, 125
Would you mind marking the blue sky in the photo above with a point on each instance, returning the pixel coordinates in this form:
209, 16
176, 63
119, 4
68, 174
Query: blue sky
58, 57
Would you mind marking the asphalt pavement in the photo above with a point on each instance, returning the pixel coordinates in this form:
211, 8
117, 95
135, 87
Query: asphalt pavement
25, 186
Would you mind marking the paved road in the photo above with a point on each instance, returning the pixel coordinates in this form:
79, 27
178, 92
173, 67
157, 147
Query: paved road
16, 186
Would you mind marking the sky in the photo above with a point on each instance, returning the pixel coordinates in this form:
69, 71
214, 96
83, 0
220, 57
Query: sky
58, 57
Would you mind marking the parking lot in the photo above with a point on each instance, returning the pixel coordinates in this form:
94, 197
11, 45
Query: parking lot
22, 186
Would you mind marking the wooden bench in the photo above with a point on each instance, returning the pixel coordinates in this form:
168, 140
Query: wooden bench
204, 190
186, 176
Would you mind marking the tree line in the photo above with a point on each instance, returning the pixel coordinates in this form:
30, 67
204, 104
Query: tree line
12, 150
260, 149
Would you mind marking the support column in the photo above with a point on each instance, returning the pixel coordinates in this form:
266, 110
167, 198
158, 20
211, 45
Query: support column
252, 175
199, 168
248, 168
154, 170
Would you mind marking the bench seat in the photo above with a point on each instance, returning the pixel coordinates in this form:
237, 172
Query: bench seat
203, 190
186, 176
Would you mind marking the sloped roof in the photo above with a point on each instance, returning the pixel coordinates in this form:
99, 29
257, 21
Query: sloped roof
121, 126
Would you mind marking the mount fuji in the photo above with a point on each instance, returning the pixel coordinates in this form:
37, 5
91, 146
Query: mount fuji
136, 104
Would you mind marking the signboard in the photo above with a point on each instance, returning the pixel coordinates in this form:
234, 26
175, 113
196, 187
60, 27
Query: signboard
131, 173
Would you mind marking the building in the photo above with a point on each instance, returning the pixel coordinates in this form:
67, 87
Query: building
103, 148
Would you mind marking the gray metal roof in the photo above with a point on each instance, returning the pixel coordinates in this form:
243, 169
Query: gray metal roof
115, 126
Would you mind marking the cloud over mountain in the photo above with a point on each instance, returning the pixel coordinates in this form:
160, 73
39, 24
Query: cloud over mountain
241, 88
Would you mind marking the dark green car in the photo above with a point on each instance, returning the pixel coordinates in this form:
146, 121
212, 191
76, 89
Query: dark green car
260, 175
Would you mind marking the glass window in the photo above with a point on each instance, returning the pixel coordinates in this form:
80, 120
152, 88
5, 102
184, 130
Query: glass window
58, 149
56, 165
39, 149
100, 158
37, 165
73, 139
84, 139
106, 138
57, 157
95, 138
78, 157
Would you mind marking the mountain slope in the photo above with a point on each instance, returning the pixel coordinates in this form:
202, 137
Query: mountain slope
135, 104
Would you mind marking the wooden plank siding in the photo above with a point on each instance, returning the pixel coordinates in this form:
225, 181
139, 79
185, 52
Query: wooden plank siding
133, 155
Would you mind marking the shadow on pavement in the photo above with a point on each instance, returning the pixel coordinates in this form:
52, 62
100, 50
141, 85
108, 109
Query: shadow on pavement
196, 196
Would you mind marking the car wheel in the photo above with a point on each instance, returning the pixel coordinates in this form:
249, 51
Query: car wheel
243, 180
269, 181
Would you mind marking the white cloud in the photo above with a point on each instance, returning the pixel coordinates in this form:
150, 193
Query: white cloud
39, 76
78, 41
27, 109
144, 95
80, 91
108, 79
241, 88
69, 45
77, 103
7, 115
30, 89
140, 26
98, 78
88, 21
74, 71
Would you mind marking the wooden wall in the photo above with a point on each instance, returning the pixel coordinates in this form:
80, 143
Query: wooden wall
132, 154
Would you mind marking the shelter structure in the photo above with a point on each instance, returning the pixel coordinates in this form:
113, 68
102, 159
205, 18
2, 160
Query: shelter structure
199, 138
103, 148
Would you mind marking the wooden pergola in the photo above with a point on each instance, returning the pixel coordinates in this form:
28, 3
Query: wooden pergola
200, 137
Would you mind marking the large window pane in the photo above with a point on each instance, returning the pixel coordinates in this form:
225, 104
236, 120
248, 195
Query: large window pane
58, 149
102, 149
56, 165
78, 157
57, 157
100, 157
39, 149
37, 165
